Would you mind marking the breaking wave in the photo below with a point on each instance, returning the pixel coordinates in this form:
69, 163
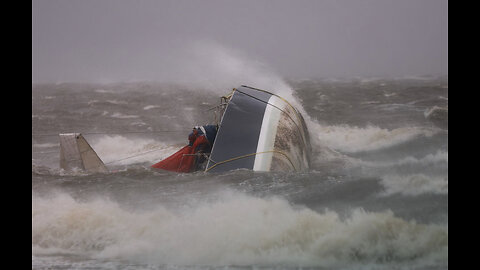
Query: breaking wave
234, 229
438, 115
414, 184
191, 227
351, 139
438, 160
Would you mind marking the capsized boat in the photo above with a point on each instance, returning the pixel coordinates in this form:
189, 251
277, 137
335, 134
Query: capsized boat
254, 129
258, 130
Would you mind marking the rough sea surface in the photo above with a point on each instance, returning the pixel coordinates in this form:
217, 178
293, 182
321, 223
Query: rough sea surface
376, 196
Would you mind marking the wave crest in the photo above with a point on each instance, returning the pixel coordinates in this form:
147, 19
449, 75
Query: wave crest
234, 229
415, 184
351, 139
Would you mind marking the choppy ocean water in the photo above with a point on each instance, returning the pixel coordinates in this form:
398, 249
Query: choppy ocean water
376, 196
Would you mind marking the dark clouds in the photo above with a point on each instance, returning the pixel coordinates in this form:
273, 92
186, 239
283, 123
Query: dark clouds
116, 40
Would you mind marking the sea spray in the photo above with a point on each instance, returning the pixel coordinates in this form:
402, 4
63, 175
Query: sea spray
137, 217
235, 229
216, 67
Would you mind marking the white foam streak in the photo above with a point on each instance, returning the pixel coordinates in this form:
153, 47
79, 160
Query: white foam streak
123, 116
233, 230
352, 139
415, 184
45, 145
149, 107
440, 158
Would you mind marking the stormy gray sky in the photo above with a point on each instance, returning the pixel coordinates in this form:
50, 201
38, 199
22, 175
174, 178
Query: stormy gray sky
119, 40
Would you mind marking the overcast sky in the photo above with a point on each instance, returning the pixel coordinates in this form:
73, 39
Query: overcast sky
119, 40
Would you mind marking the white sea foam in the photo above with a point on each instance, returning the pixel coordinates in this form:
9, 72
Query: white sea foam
121, 150
436, 111
93, 101
103, 91
414, 184
111, 101
45, 145
149, 107
352, 139
117, 102
440, 157
123, 116
234, 229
